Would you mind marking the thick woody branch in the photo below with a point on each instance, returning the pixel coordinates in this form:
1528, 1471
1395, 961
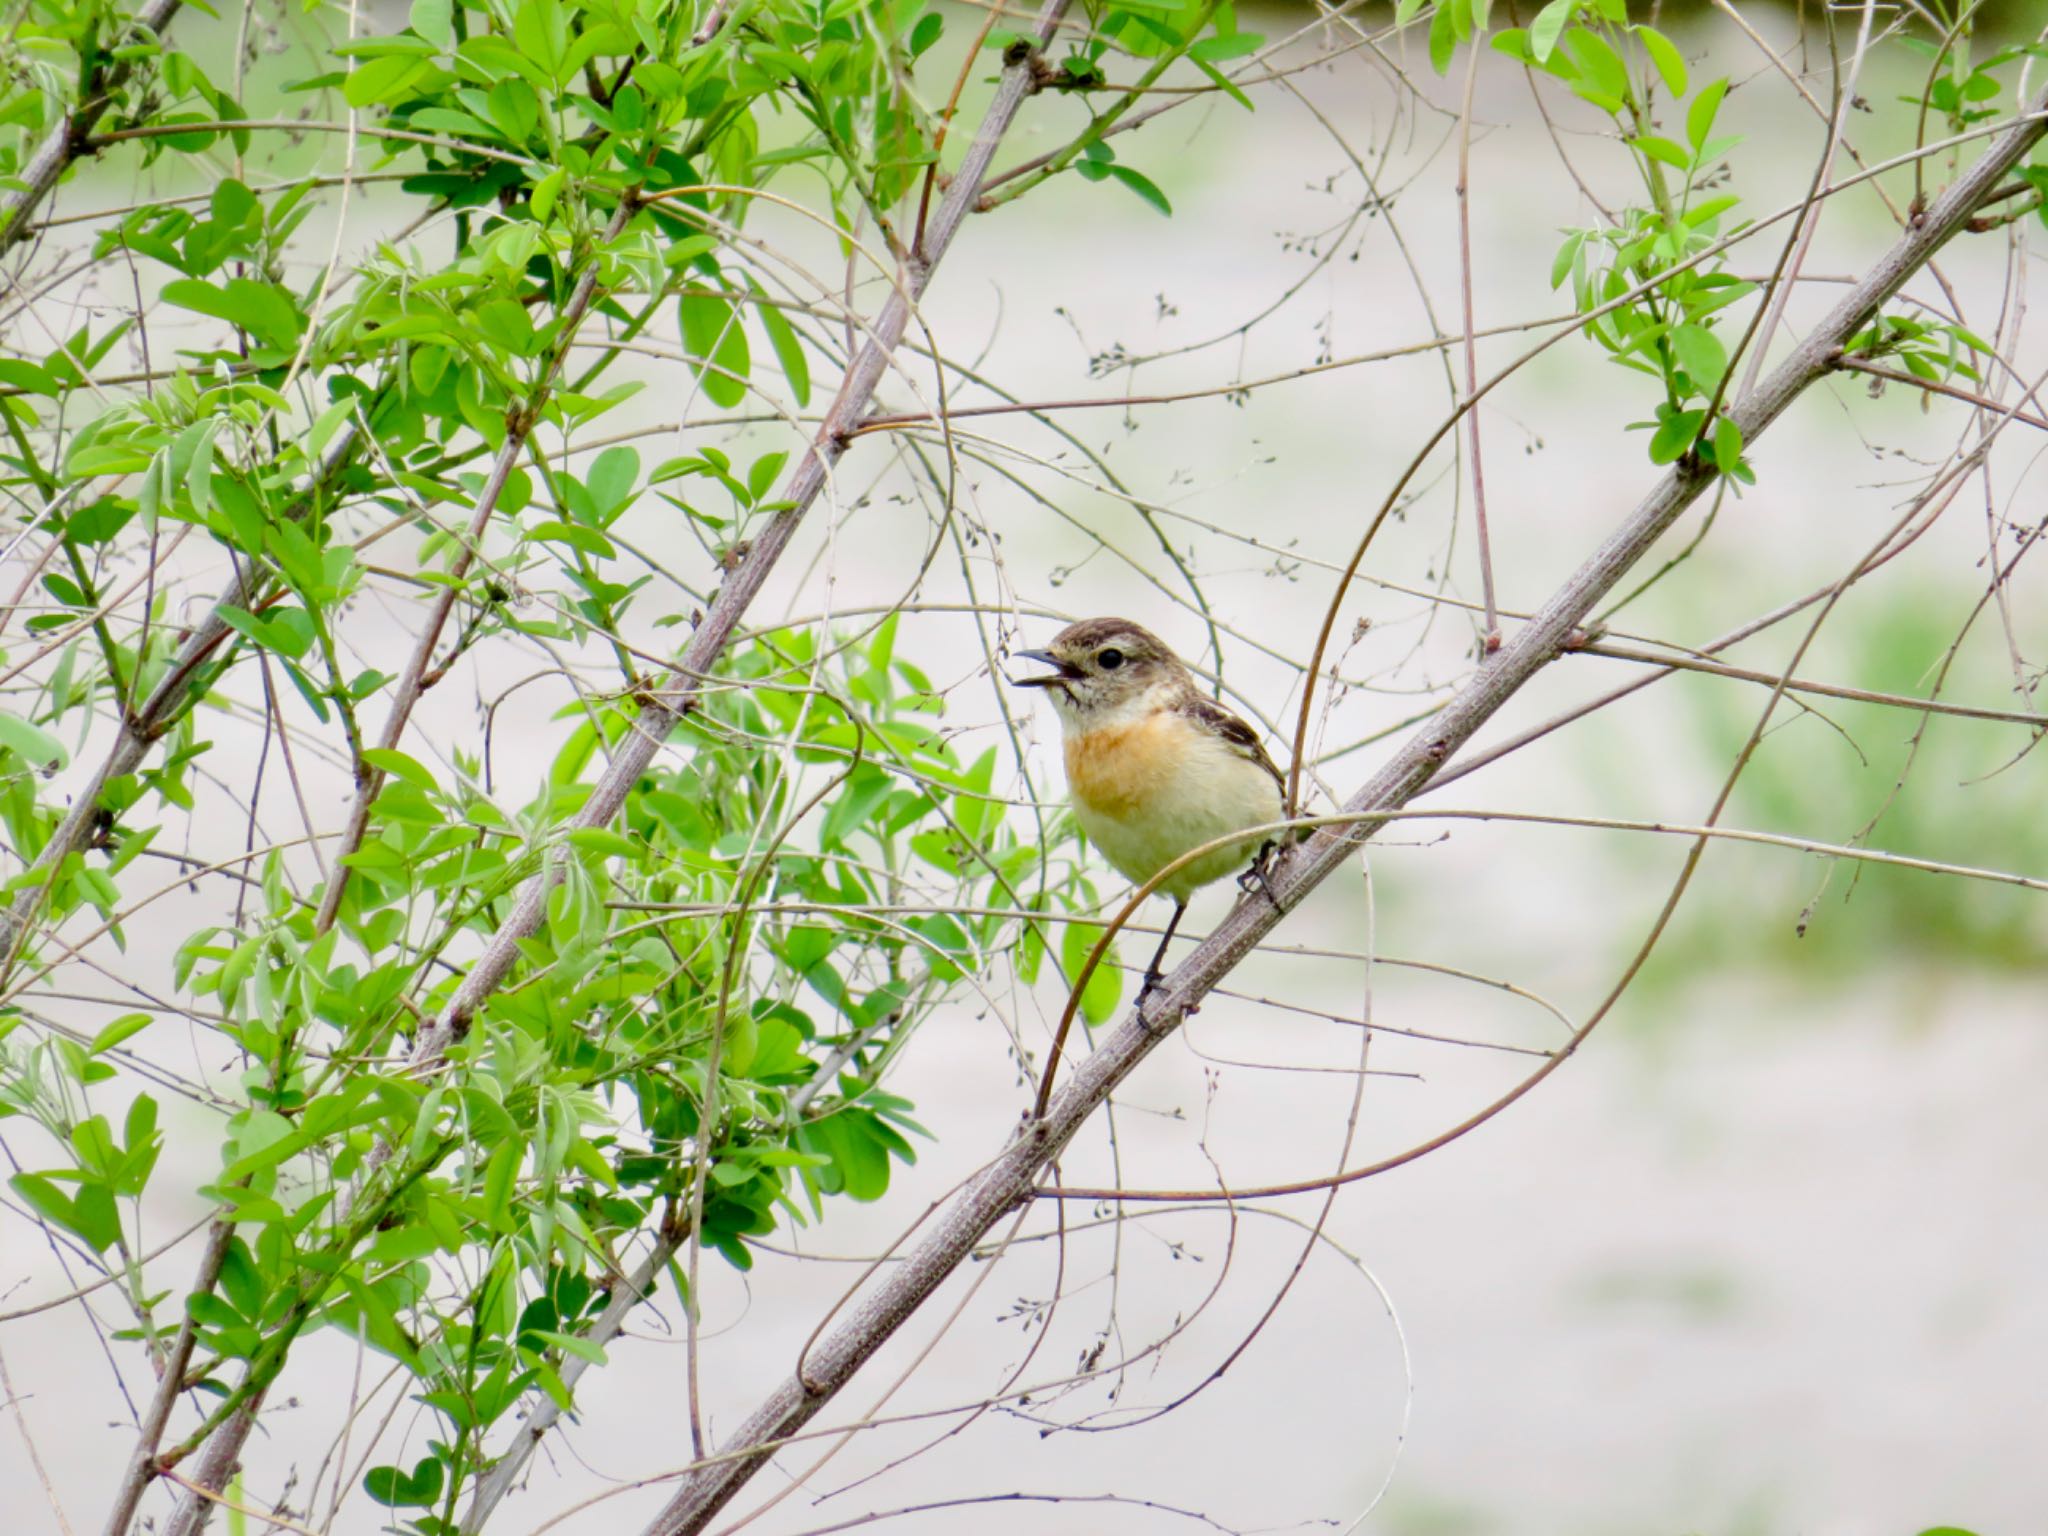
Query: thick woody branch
830, 1363
66, 138
141, 1468
663, 707
629, 1292
215, 1470
414, 681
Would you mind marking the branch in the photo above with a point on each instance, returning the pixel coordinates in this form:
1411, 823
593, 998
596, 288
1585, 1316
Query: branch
417, 677
66, 139
830, 1363
142, 1467
627, 1293
141, 728
663, 708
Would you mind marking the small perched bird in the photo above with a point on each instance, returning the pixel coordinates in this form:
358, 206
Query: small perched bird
1153, 766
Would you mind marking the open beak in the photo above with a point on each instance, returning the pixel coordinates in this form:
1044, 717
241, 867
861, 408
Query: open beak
1062, 672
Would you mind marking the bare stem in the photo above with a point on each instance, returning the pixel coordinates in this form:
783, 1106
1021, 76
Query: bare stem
1491, 640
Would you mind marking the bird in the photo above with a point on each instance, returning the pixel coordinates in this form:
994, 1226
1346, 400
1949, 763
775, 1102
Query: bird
1155, 768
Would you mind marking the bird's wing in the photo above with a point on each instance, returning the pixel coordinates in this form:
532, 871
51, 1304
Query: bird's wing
1214, 717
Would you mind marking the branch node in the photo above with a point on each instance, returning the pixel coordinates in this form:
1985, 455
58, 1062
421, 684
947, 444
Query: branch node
1164, 1020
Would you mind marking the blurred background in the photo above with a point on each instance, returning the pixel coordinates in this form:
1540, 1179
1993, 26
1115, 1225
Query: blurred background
1765, 1256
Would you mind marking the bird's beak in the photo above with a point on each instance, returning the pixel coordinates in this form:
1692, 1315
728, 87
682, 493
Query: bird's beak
1063, 672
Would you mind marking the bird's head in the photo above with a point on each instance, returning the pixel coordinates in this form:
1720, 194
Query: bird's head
1103, 669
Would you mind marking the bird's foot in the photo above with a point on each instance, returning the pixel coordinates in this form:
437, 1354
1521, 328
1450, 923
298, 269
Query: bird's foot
1156, 982
1254, 878
1153, 981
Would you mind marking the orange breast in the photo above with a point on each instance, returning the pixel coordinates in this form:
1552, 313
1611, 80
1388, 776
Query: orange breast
1119, 770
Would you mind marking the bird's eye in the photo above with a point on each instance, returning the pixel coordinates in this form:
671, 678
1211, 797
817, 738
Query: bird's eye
1110, 659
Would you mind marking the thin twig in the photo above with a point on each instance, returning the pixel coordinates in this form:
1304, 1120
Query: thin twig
1490, 640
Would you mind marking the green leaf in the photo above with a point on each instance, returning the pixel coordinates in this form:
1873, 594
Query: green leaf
391, 1487
1233, 45
32, 744
762, 475
570, 1344
16, 373
1105, 988
541, 30
1712, 208
605, 843
1549, 26
1701, 354
385, 79
545, 191
1727, 445
789, 352
1699, 117
717, 344
1660, 148
123, 1027
1674, 436
859, 1146
261, 309
1664, 54
589, 540
611, 478
499, 1176
1143, 187
435, 21
262, 1139
90, 1214
515, 109
1443, 36
402, 765
1567, 256
1599, 65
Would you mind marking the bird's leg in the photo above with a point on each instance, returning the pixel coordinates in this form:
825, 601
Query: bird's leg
1254, 879
1153, 974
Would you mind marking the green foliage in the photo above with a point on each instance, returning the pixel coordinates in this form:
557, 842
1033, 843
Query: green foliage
694, 1045
1652, 283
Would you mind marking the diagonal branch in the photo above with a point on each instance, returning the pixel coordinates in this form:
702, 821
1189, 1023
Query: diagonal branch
831, 1362
141, 727
418, 677
66, 139
533, 1428
663, 707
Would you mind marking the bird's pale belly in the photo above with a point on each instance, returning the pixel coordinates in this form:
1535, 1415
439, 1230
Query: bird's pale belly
1147, 791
